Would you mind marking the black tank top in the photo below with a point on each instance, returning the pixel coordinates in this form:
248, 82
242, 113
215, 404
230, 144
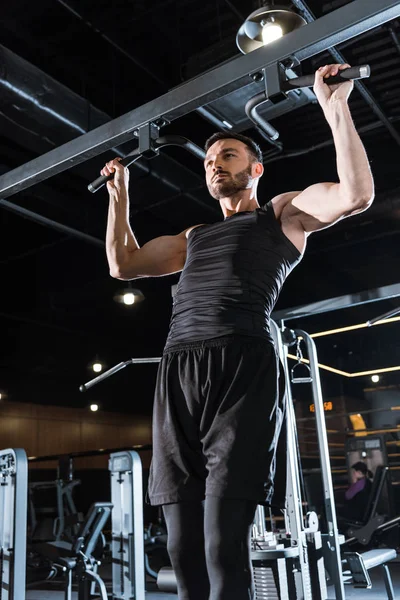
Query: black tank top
232, 278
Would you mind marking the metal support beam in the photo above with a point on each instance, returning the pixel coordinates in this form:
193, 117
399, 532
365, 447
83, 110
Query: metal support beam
29, 214
338, 26
383, 293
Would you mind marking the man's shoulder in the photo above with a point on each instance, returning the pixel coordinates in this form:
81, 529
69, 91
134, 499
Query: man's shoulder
289, 219
189, 229
282, 203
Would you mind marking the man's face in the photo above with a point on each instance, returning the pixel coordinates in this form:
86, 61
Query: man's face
228, 168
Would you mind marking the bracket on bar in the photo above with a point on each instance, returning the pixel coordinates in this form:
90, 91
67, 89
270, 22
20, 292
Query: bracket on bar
148, 147
277, 87
147, 134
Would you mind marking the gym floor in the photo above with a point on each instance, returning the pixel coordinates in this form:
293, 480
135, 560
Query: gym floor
377, 592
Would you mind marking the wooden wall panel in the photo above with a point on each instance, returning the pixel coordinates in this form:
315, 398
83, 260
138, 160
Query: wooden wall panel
99, 435
51, 430
58, 436
18, 432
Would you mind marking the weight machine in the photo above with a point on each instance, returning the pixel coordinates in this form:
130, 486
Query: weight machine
13, 509
128, 570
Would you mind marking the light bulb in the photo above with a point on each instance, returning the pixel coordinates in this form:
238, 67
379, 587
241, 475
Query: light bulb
375, 378
94, 407
271, 32
129, 298
97, 367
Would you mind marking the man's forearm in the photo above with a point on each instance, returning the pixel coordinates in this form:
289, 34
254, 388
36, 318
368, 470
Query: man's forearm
353, 168
120, 240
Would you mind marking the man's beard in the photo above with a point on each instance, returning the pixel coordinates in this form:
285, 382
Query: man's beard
231, 184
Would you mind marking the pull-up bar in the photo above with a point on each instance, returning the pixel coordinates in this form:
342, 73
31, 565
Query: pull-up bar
149, 145
337, 26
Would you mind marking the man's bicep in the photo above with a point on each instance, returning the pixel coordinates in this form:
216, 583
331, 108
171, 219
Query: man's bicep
319, 206
161, 256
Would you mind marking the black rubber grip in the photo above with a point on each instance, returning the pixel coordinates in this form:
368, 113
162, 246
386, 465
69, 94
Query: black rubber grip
359, 72
99, 182
102, 180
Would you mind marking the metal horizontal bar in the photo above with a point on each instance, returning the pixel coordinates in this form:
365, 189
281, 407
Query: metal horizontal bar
87, 453
28, 214
356, 412
331, 304
336, 27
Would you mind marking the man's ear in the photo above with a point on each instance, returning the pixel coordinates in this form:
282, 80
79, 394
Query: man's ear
258, 169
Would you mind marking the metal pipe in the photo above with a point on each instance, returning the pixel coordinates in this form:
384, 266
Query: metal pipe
182, 142
268, 132
157, 144
329, 500
293, 494
28, 214
59, 114
394, 37
386, 315
85, 386
209, 116
86, 453
330, 304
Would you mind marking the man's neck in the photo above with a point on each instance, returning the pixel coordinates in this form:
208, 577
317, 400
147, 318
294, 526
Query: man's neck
230, 206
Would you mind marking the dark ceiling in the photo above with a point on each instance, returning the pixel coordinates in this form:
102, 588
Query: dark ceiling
68, 66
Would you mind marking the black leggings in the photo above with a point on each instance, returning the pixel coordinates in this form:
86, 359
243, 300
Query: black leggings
209, 548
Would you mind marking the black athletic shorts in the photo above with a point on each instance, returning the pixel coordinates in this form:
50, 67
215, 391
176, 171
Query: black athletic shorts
218, 412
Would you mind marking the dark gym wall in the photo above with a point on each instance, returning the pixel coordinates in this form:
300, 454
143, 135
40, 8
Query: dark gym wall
384, 399
47, 430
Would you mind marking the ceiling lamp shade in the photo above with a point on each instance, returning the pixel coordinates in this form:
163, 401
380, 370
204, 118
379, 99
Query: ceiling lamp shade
264, 25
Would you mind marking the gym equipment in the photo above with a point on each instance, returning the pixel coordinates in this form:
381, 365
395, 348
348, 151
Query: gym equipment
13, 508
149, 146
293, 563
363, 529
332, 29
79, 558
115, 369
278, 85
128, 543
64, 516
373, 522
155, 548
360, 564
128, 571
371, 450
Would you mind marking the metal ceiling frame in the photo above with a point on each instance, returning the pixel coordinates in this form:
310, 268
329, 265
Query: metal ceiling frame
340, 302
358, 85
335, 27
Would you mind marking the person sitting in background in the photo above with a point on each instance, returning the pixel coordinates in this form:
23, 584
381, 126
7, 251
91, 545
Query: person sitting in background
357, 495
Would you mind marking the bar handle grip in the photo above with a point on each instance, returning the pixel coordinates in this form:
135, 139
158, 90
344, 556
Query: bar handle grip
102, 180
359, 72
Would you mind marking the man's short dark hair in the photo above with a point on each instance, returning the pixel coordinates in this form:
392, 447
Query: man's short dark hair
253, 149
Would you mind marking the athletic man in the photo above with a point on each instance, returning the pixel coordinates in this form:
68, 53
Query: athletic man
217, 410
